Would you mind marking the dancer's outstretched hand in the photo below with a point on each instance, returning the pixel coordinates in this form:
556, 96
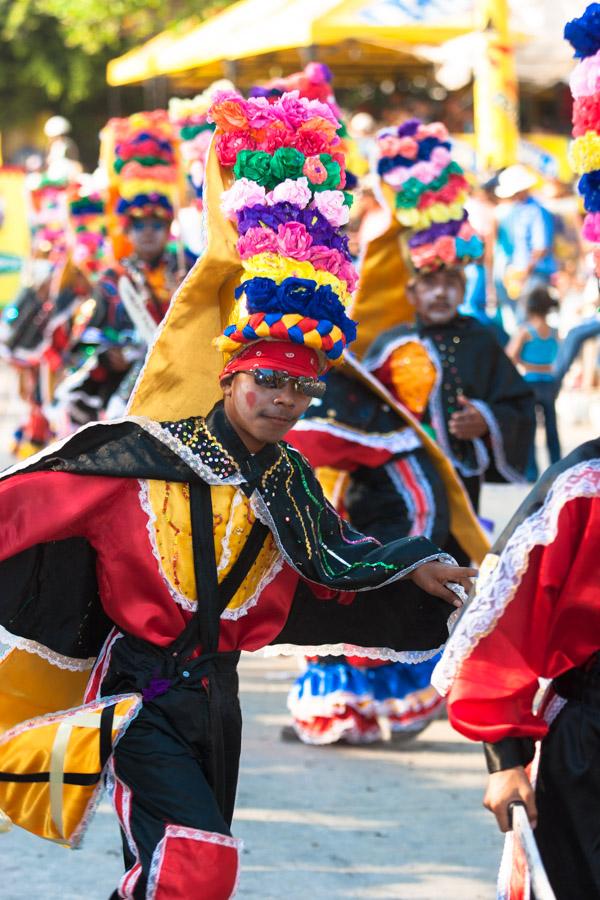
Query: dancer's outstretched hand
433, 577
505, 787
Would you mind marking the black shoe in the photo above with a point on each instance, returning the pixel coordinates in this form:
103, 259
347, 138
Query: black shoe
288, 735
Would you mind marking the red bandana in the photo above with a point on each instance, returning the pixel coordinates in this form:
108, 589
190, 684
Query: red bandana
282, 356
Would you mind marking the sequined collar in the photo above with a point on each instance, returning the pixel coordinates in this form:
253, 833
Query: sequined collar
216, 444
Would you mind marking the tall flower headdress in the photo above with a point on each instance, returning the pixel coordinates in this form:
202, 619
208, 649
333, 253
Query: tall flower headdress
276, 265
584, 36
315, 82
140, 159
288, 204
190, 119
426, 190
87, 230
49, 215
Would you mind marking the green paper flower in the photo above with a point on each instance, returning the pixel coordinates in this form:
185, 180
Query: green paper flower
255, 165
286, 162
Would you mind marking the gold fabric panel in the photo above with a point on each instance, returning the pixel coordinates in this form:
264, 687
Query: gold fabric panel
380, 301
413, 376
30, 686
52, 746
232, 520
181, 375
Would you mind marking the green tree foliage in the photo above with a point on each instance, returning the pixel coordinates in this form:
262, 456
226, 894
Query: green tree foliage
53, 53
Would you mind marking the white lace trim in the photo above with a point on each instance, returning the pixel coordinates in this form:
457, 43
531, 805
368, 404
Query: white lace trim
183, 452
497, 442
267, 578
371, 365
50, 718
496, 591
56, 659
208, 837
226, 542
101, 665
435, 403
330, 705
193, 834
404, 656
555, 706
394, 442
148, 425
177, 596
79, 833
338, 729
181, 599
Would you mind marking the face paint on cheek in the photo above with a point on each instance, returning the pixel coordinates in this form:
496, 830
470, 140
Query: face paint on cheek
251, 399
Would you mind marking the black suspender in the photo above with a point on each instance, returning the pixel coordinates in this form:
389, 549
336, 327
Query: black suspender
203, 627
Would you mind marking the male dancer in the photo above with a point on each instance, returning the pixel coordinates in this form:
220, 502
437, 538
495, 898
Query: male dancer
132, 295
390, 478
448, 369
536, 615
163, 549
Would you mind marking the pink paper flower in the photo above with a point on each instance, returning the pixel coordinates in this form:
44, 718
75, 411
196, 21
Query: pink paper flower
257, 240
349, 274
229, 144
241, 194
323, 110
328, 260
291, 110
293, 240
585, 77
331, 205
260, 113
591, 228
314, 170
445, 248
389, 145
311, 143
291, 190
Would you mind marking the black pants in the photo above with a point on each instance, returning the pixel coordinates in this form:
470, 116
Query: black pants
568, 800
177, 764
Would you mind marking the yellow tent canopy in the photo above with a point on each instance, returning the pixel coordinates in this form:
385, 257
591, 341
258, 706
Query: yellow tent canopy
259, 35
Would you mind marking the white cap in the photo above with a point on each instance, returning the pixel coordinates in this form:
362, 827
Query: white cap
513, 180
56, 126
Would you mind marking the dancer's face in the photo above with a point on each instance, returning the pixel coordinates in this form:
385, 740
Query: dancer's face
437, 296
261, 415
149, 236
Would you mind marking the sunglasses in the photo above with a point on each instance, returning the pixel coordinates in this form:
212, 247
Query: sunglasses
142, 224
276, 379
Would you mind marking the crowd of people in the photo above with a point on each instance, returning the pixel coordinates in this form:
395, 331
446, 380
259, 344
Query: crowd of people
268, 365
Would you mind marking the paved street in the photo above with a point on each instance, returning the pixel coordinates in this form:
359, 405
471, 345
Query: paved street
326, 823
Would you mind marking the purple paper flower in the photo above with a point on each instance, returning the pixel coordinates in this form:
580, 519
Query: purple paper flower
439, 229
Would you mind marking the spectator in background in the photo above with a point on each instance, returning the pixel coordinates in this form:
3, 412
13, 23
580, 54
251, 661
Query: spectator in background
525, 236
534, 349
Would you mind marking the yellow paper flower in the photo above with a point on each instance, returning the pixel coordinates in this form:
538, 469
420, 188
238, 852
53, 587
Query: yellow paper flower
270, 265
584, 153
